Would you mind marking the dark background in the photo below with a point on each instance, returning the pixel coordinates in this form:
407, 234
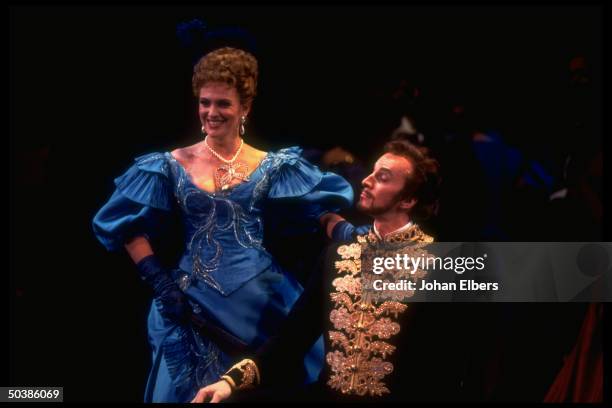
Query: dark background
93, 87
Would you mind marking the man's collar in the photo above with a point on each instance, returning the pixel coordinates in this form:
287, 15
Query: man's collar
407, 233
400, 229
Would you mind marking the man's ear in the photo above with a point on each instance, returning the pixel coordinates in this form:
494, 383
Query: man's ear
407, 204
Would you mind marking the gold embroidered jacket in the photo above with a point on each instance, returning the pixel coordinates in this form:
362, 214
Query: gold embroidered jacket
374, 349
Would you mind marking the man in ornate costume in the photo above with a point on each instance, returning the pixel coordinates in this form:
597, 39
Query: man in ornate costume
375, 350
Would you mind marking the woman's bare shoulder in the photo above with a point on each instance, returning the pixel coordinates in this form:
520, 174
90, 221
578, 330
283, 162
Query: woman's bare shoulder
185, 153
256, 153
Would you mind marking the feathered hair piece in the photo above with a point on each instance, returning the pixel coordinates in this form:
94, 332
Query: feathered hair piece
198, 39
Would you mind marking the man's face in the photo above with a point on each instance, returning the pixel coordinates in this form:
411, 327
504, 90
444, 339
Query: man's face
382, 188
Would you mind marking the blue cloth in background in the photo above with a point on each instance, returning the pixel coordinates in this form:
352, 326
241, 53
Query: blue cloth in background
502, 165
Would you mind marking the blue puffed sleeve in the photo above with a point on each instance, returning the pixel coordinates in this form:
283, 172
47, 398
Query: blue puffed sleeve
295, 178
309, 192
141, 201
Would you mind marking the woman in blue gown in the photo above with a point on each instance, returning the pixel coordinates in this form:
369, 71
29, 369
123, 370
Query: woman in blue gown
225, 192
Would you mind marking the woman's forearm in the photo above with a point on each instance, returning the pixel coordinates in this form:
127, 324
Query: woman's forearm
138, 248
328, 222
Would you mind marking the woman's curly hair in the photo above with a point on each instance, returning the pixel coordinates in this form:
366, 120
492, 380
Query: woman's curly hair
232, 66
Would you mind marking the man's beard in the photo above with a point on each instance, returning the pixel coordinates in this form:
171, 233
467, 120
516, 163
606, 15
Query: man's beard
372, 210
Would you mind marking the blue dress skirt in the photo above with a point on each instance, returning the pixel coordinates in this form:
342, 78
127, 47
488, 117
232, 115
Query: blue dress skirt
226, 273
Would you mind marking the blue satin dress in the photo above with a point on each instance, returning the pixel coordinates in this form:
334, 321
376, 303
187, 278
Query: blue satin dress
225, 271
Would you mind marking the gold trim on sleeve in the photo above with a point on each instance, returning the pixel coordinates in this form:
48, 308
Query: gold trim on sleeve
230, 381
249, 372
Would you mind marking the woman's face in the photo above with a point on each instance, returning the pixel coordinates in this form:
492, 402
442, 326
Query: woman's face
220, 110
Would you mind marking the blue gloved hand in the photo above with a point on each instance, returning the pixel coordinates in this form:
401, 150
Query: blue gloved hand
175, 305
344, 231
362, 229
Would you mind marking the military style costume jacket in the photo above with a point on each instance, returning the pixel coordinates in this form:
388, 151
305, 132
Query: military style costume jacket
375, 350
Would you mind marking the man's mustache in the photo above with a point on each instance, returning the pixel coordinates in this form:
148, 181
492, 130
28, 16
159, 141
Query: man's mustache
366, 193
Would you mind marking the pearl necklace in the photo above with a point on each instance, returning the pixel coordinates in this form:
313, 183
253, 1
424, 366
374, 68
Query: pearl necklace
218, 156
227, 172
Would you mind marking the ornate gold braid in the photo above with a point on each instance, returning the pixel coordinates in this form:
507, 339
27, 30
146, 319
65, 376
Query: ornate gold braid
243, 375
362, 326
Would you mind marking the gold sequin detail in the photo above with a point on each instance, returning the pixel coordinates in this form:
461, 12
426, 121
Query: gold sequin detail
352, 251
349, 265
361, 324
349, 284
413, 234
410, 242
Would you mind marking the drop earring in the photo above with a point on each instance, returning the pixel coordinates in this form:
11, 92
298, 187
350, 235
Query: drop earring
242, 122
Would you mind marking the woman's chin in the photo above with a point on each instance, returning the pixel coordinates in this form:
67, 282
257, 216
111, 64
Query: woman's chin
215, 133
218, 131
